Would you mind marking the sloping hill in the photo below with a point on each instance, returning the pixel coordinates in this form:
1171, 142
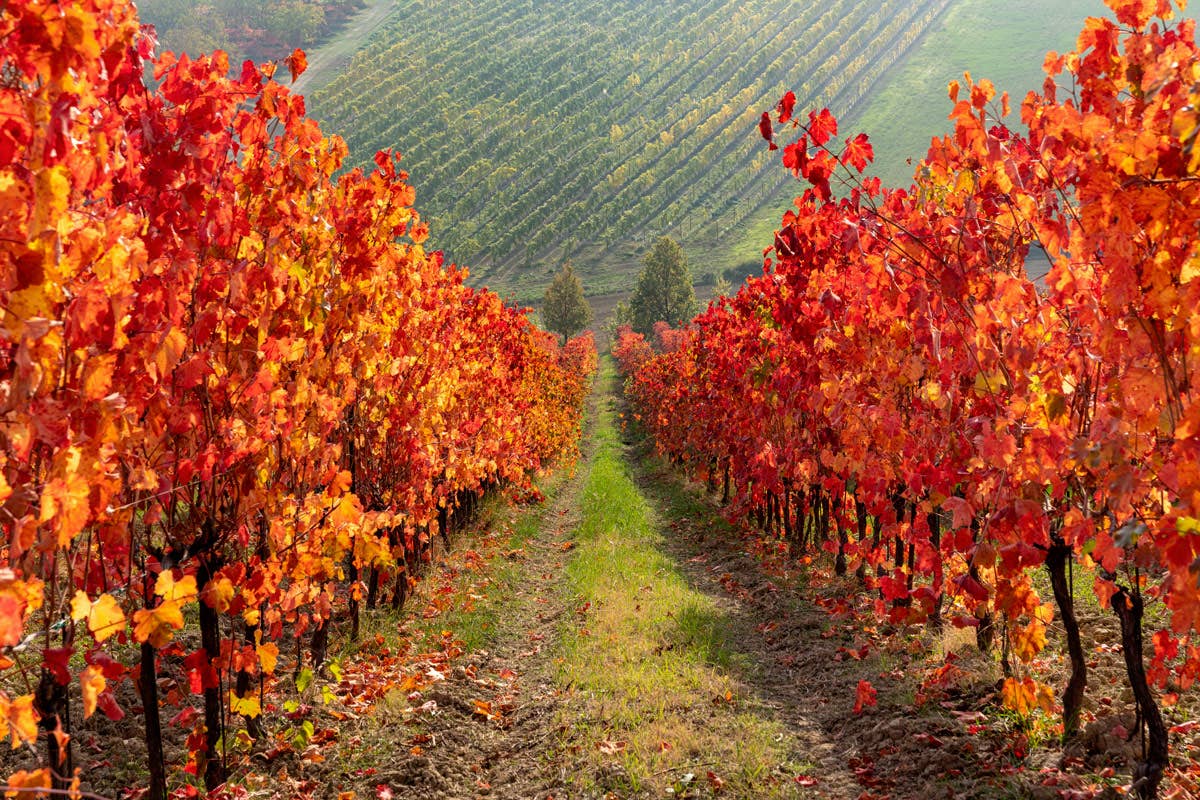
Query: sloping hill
541, 130
1002, 41
537, 131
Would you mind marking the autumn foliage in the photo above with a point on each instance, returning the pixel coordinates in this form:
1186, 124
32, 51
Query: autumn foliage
899, 390
236, 387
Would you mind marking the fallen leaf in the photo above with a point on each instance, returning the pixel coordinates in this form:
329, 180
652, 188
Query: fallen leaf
864, 696
611, 748
716, 782
483, 708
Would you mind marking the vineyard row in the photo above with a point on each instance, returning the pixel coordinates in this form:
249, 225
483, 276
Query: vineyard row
240, 397
896, 391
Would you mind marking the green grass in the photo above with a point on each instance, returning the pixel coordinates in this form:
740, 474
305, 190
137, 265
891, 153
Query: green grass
477, 626
1005, 42
477, 622
653, 661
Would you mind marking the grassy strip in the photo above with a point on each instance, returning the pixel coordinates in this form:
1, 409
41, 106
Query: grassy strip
476, 622
480, 578
653, 664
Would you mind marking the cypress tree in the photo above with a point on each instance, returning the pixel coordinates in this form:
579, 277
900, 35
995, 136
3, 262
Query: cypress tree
564, 310
664, 289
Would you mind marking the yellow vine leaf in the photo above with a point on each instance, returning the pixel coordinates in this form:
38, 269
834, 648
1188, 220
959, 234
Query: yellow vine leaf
218, 594
1028, 640
24, 781
81, 605
172, 591
268, 656
20, 718
65, 497
245, 706
1023, 696
98, 376
92, 683
104, 616
51, 194
156, 625
17, 599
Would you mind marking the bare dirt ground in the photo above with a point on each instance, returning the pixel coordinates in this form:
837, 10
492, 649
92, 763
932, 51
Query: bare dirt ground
489, 727
494, 732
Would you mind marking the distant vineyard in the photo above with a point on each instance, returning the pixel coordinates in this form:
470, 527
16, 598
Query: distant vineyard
537, 132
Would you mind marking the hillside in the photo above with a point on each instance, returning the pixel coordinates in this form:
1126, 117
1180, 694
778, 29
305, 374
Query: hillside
1001, 41
534, 135
536, 131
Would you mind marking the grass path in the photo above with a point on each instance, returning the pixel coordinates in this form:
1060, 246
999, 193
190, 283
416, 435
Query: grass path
668, 694
599, 659
487, 727
335, 54
700, 666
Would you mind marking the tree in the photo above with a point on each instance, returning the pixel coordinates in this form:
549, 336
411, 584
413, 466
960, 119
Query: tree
294, 24
664, 290
564, 311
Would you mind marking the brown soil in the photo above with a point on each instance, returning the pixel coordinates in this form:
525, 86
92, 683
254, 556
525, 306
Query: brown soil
487, 730
493, 731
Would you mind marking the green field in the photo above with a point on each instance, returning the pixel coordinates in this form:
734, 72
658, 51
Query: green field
1002, 40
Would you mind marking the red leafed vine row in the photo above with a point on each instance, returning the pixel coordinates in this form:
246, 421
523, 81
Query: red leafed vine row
898, 389
230, 380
